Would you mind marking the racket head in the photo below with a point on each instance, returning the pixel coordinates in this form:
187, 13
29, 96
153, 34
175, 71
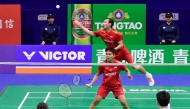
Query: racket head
64, 90
76, 80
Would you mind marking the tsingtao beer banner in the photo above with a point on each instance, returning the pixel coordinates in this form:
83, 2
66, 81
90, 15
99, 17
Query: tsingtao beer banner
129, 19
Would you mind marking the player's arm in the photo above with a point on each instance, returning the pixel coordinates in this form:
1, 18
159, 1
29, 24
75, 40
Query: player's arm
84, 29
128, 73
124, 68
94, 79
120, 45
119, 41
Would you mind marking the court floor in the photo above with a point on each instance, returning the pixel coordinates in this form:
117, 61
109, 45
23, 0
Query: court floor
138, 97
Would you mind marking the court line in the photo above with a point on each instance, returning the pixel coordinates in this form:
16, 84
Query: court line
121, 106
4, 88
111, 92
105, 98
47, 97
99, 106
23, 100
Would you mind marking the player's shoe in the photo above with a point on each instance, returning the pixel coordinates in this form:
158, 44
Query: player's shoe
123, 91
150, 79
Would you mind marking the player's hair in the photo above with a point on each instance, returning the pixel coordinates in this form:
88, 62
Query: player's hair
163, 98
42, 105
111, 49
110, 21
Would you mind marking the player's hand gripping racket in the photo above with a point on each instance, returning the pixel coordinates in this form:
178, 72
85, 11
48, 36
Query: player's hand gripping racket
65, 91
77, 80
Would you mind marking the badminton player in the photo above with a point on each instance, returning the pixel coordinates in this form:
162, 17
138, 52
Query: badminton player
111, 80
113, 38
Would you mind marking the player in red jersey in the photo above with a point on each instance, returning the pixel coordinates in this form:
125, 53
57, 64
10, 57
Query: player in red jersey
113, 38
111, 80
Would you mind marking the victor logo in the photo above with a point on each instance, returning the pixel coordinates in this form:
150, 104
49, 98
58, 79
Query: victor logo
29, 56
57, 55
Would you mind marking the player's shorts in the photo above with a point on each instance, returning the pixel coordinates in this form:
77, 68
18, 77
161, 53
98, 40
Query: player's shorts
124, 55
103, 91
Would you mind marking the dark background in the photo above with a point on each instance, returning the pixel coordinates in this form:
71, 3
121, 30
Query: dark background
30, 9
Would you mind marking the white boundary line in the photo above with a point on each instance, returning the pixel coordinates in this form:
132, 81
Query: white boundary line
46, 97
106, 98
23, 100
121, 106
111, 92
106, 106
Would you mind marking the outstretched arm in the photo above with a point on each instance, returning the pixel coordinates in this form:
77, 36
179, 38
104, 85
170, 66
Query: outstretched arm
83, 28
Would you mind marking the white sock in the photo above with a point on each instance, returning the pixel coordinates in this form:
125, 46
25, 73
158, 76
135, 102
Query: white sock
147, 74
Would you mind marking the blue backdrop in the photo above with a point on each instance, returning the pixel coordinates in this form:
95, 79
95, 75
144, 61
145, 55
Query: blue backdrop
32, 8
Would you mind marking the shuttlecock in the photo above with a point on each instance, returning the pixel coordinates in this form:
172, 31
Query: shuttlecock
57, 6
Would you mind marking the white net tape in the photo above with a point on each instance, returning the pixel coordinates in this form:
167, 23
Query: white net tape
93, 64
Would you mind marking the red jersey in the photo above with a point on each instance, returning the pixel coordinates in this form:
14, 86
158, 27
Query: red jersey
111, 74
111, 39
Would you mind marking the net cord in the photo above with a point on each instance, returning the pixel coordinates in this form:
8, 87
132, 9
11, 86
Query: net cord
93, 64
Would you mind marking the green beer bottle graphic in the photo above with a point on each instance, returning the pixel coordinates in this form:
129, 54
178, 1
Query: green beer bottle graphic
82, 13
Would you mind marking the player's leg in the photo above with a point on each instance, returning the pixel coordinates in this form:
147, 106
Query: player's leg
119, 94
123, 88
96, 101
141, 69
101, 94
123, 102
